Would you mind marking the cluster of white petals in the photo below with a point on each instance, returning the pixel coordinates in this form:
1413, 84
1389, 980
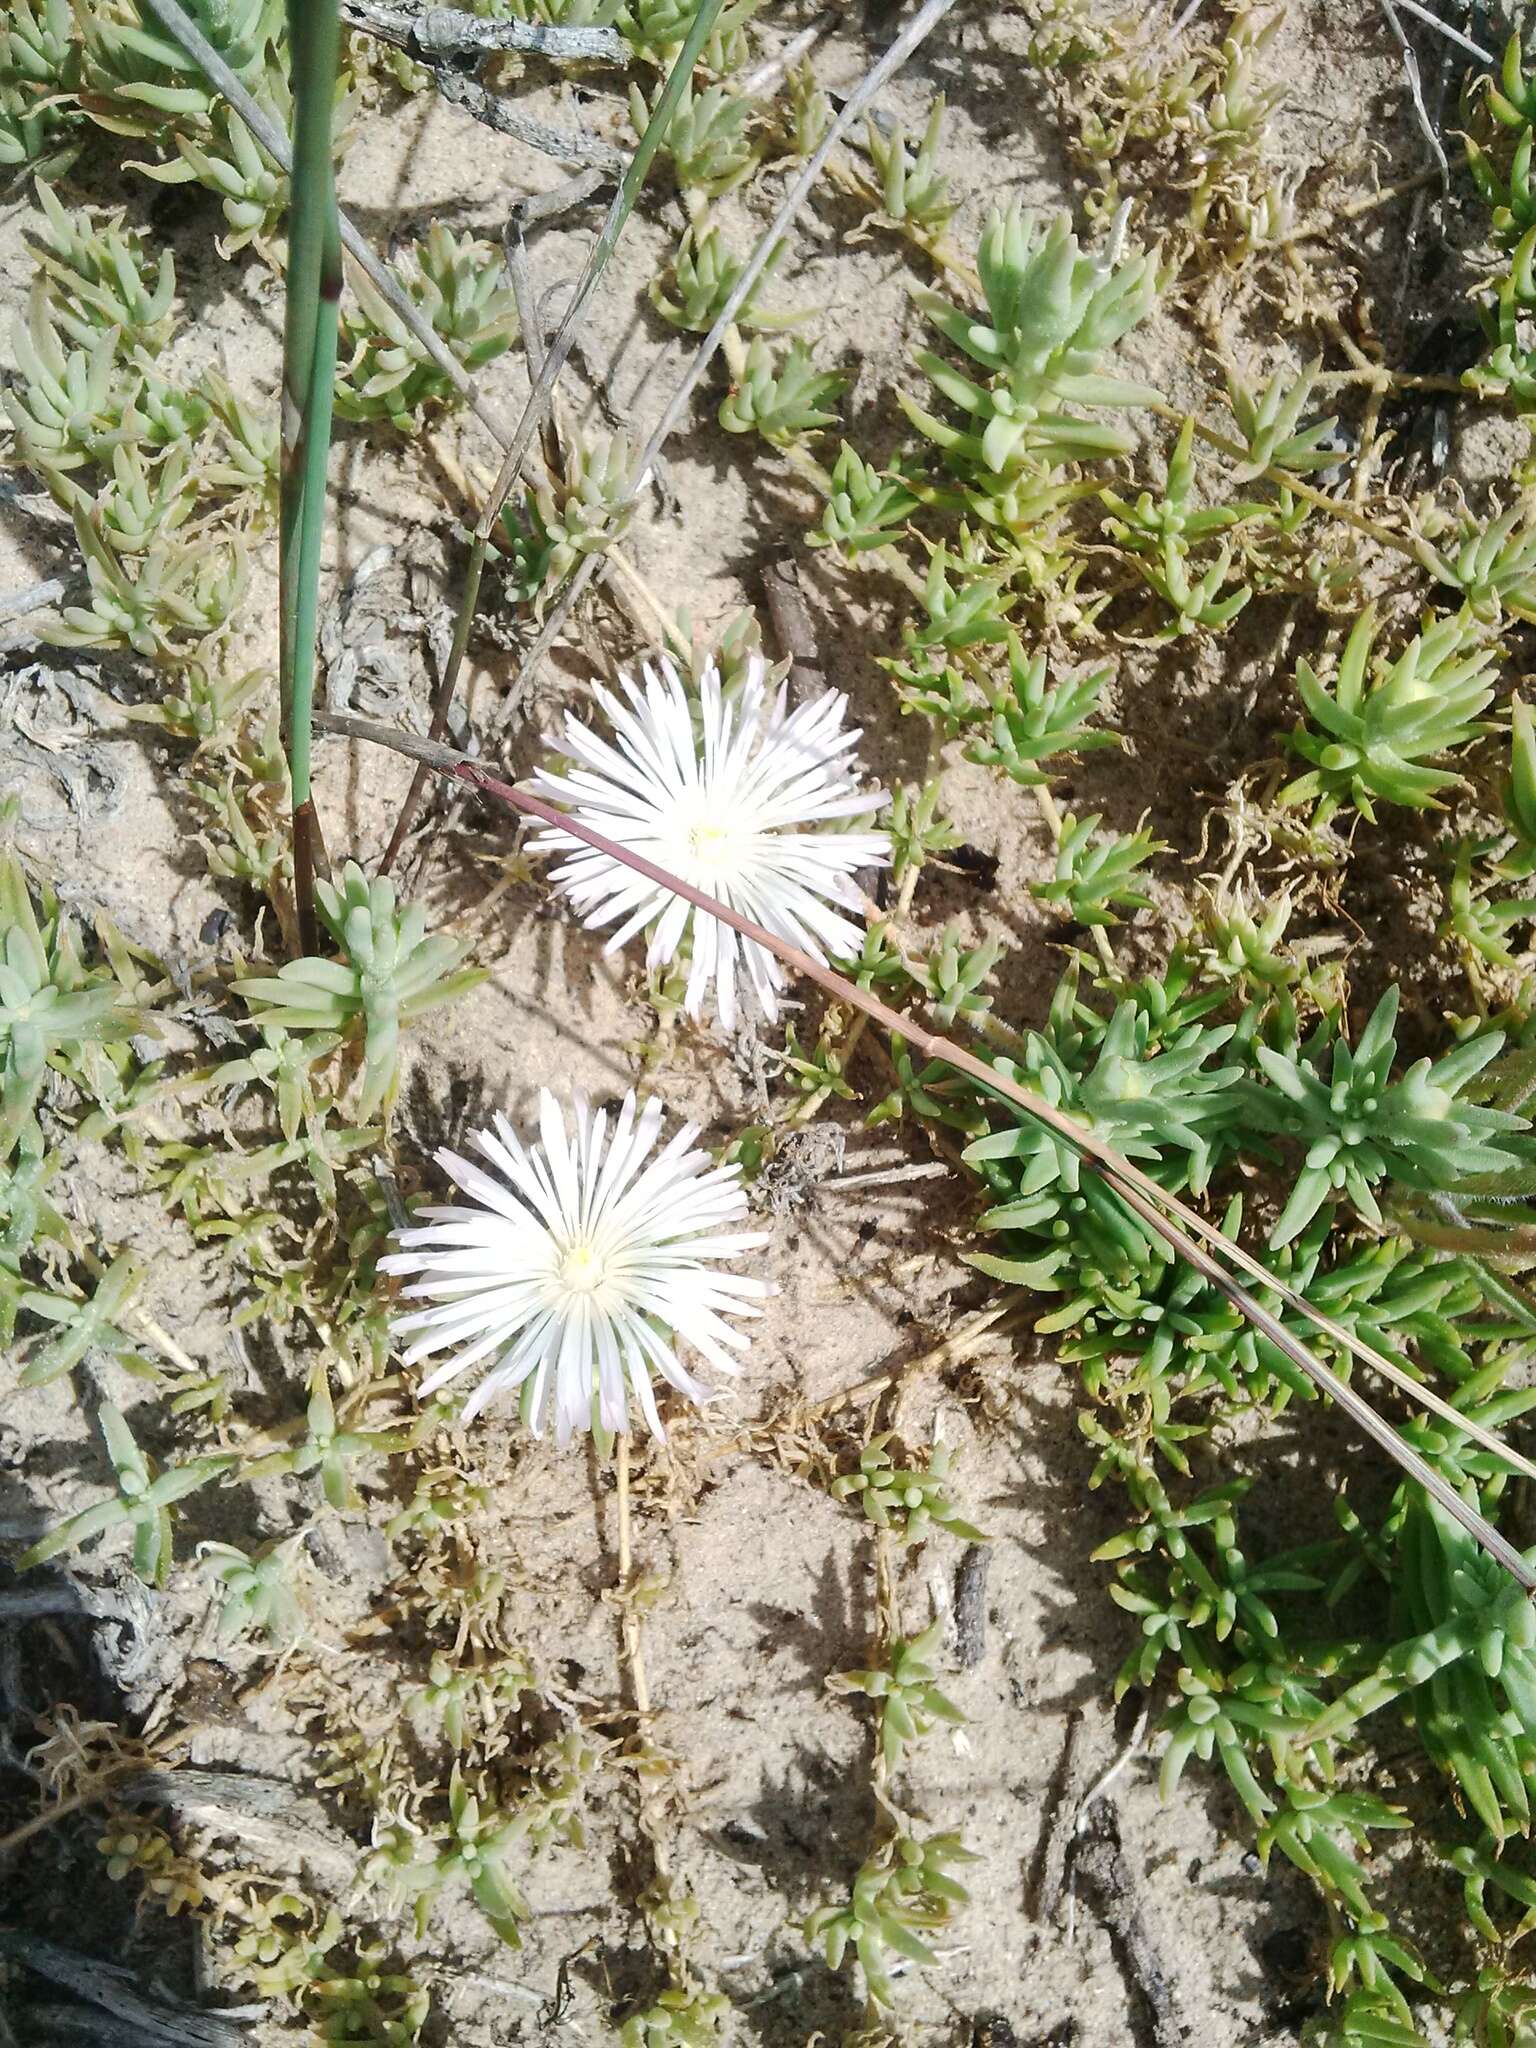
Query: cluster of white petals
737, 795
575, 1266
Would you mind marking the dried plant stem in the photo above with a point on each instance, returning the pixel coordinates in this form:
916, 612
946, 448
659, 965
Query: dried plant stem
442, 703
887, 1629
1449, 30
61, 1809
1327, 230
437, 32
99, 1788
650, 1767
1383, 379
646, 600
1363, 365
1469, 1237
856, 1029
504, 117
166, 1344
1180, 1226
1337, 508
1007, 1310
1365, 451
813, 1102
1001, 1315
772, 70
681, 71
921, 25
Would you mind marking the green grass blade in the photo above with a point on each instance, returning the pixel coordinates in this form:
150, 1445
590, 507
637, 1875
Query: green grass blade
310, 322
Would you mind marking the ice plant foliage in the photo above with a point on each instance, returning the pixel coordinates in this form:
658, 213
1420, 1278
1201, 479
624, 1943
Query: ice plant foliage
576, 1266
733, 792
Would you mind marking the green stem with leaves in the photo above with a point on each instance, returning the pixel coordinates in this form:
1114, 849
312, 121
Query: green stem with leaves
311, 316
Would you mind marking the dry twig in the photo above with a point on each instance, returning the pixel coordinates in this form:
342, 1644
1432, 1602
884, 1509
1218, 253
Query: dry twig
971, 1605
1100, 1868
156, 2020
793, 628
428, 33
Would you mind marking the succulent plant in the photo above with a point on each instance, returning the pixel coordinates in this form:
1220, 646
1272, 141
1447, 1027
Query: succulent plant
684, 2016
390, 972
1053, 314
704, 274
328, 1450
1508, 188
68, 404
909, 1499
1158, 533
907, 1693
257, 1594
139, 81
1379, 733
225, 159
167, 601
1361, 1127
140, 502
144, 1502
914, 192
706, 137
1270, 424
52, 1005
1493, 565
904, 1891
1097, 876
39, 75
100, 277
865, 508
582, 511
657, 29
780, 399
243, 455
457, 282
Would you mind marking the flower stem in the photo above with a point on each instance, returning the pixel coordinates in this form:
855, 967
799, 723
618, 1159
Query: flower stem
634, 1652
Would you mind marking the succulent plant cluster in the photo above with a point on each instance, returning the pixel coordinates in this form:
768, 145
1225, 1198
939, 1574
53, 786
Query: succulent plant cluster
1386, 1186
455, 282
1058, 520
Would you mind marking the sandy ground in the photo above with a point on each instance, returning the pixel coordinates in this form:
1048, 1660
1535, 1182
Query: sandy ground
767, 1583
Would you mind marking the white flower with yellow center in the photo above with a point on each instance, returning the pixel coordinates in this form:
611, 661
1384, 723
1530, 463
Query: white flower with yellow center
734, 794
577, 1265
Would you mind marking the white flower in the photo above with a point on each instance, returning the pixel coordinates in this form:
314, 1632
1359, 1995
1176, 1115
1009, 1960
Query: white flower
731, 794
577, 1264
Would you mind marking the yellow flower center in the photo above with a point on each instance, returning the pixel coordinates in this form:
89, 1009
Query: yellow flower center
581, 1269
706, 838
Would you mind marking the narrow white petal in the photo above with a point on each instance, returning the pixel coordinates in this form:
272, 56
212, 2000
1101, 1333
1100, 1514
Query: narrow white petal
578, 1261
738, 795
